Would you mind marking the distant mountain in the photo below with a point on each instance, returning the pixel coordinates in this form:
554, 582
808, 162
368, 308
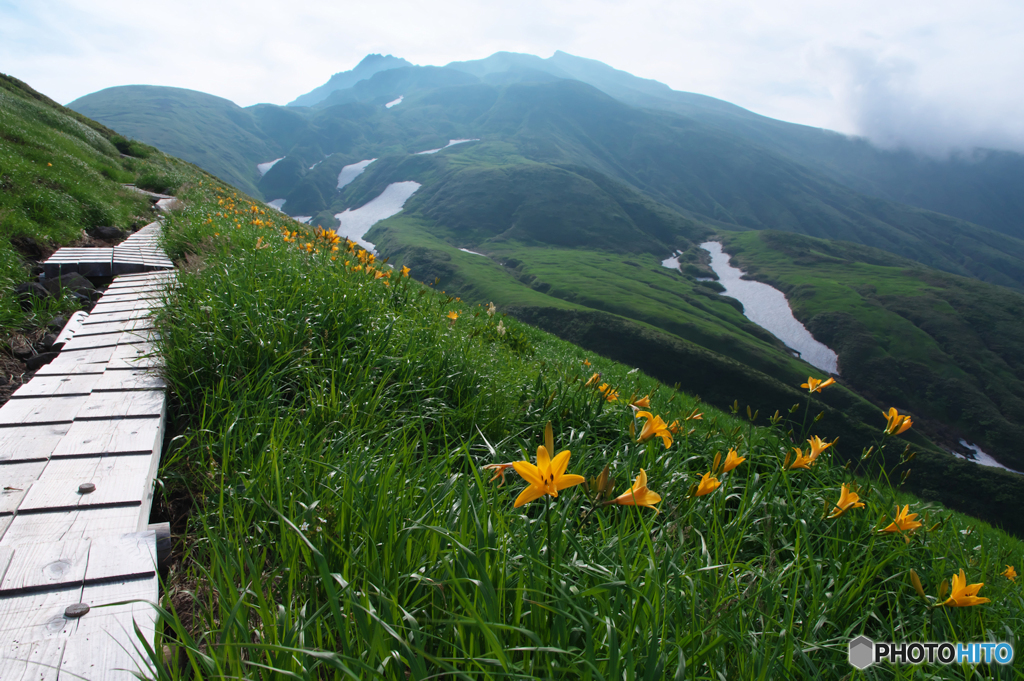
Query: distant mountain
214, 133
370, 65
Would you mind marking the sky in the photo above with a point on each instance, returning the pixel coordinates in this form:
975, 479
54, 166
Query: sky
936, 76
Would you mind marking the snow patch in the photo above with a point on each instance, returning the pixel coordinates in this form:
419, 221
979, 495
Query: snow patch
982, 458
264, 167
356, 223
394, 102
450, 144
767, 307
466, 250
277, 204
672, 262
304, 219
351, 172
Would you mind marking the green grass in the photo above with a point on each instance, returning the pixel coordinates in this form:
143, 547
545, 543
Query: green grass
331, 438
61, 174
945, 347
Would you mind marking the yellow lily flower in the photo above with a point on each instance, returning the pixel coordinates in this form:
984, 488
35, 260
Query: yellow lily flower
499, 471
638, 494
453, 315
904, 521
847, 500
814, 385
897, 423
732, 460
405, 271
1009, 573
643, 403
548, 475
592, 381
800, 461
654, 426
708, 484
818, 446
609, 393
964, 594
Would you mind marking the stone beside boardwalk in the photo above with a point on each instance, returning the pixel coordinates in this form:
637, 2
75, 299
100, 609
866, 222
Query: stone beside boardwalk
79, 450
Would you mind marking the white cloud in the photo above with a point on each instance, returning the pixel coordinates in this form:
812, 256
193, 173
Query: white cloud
928, 73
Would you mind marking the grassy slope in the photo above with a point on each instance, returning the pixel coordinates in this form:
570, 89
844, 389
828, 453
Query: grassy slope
60, 174
211, 132
945, 347
332, 439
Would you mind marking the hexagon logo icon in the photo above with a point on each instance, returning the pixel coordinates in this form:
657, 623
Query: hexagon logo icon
862, 652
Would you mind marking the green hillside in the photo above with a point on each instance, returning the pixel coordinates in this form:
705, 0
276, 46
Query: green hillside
573, 198
947, 347
214, 133
61, 176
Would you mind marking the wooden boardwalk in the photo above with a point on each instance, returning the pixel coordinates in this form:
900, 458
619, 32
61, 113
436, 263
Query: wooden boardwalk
79, 450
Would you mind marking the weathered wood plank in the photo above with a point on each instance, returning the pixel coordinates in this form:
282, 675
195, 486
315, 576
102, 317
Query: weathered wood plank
11, 496
6, 554
73, 358
5, 522
32, 660
57, 384
41, 410
130, 379
98, 467
131, 294
38, 615
47, 564
73, 326
136, 336
80, 342
130, 556
24, 443
21, 474
115, 327
60, 494
135, 356
115, 436
68, 525
131, 403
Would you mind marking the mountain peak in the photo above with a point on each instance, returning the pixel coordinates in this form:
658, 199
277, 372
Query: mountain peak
367, 67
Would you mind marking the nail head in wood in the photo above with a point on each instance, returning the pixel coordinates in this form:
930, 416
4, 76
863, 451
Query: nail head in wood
76, 610
87, 488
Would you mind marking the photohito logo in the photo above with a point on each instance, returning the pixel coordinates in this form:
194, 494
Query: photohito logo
864, 652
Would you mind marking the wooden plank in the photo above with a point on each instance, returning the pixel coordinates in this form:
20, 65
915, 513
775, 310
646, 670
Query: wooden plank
5, 522
86, 356
21, 474
6, 554
32, 660
38, 615
132, 294
80, 342
137, 336
61, 494
47, 564
130, 556
105, 640
11, 496
98, 467
60, 409
115, 327
78, 524
73, 326
132, 403
115, 436
24, 443
137, 356
130, 379
69, 369
55, 385
125, 315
